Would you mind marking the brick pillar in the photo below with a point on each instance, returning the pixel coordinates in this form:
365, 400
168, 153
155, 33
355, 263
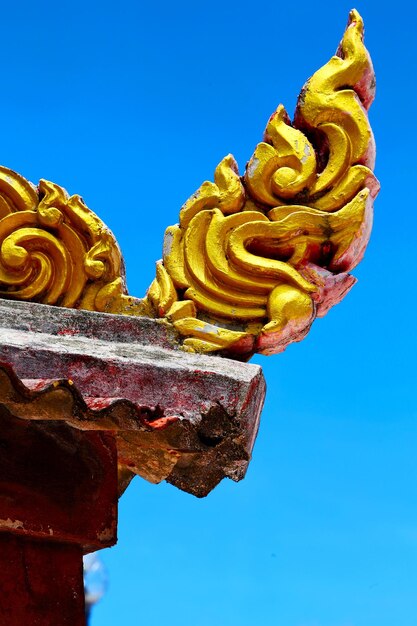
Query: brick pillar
58, 499
41, 582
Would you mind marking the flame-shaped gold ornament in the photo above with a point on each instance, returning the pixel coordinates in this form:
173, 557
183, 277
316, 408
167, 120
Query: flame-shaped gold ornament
253, 260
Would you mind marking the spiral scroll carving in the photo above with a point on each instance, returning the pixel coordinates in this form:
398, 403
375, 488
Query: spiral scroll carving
54, 250
253, 261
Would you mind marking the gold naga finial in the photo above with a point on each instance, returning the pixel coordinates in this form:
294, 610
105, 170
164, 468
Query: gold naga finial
253, 260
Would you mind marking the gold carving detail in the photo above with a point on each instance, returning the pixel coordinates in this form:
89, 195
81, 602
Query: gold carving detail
253, 260
256, 261
54, 250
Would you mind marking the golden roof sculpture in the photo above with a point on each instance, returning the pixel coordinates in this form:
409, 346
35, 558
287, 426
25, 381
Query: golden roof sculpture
254, 259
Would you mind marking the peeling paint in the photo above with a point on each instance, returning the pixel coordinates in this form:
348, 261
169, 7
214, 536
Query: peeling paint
167, 245
12, 524
252, 166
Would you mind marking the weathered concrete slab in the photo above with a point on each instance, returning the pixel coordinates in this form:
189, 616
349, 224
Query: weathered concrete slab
187, 418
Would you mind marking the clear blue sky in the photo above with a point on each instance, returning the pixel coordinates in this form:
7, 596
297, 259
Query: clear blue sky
132, 105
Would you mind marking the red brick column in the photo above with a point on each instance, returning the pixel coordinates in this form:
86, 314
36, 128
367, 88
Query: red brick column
58, 500
41, 583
